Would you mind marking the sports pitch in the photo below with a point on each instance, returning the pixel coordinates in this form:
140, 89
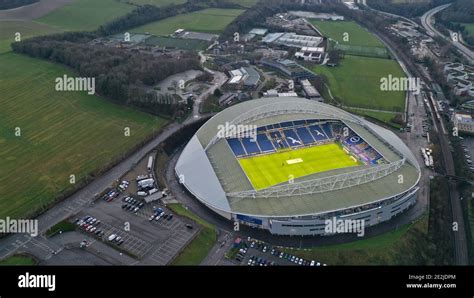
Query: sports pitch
270, 169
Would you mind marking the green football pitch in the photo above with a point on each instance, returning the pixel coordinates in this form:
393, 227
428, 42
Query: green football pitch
270, 169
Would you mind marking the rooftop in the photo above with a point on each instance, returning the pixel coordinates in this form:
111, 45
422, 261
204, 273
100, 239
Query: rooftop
227, 176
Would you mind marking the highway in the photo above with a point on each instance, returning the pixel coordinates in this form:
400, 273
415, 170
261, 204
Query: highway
426, 21
390, 14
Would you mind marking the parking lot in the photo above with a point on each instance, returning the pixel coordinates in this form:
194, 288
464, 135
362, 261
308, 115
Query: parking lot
252, 252
468, 148
154, 241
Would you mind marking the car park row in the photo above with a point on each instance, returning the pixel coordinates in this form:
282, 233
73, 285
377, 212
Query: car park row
158, 214
468, 157
114, 193
92, 226
255, 260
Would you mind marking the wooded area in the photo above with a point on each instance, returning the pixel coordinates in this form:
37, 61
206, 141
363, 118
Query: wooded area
123, 76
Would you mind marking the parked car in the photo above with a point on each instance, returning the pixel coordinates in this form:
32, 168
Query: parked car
112, 237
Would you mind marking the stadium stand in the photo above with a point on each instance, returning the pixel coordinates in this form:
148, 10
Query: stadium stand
300, 133
264, 143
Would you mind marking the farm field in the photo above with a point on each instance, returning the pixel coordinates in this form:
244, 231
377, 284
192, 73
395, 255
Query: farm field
270, 169
180, 43
26, 28
212, 20
357, 35
85, 15
62, 134
356, 83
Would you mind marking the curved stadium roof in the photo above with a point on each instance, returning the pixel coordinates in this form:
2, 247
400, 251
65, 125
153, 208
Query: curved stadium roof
211, 172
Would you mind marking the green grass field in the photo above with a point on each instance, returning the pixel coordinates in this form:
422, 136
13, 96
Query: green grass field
381, 116
212, 20
18, 260
27, 29
85, 15
357, 36
195, 252
469, 28
62, 133
403, 246
270, 169
356, 82
180, 43
158, 3
245, 3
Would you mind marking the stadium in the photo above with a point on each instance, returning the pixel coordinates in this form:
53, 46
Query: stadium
293, 163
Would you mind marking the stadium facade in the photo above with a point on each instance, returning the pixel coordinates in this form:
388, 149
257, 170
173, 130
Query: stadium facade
383, 184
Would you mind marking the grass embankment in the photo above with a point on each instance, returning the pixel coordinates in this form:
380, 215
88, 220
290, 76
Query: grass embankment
195, 252
19, 260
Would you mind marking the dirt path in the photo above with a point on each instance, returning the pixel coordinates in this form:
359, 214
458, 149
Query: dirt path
32, 11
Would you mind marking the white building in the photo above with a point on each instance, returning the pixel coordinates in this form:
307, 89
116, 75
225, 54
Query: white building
293, 40
463, 122
312, 54
310, 91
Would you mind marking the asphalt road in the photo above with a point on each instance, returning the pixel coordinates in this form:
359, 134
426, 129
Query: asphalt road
426, 21
219, 80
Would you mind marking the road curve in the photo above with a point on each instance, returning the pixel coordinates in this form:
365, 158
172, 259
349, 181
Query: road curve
390, 14
428, 25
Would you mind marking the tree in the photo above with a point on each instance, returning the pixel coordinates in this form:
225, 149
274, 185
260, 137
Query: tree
319, 82
335, 56
217, 93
